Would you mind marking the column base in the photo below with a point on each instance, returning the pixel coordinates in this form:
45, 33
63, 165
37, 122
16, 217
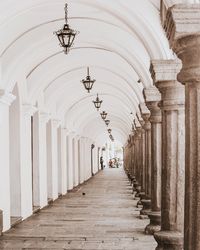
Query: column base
155, 221
146, 207
169, 240
135, 185
138, 190
142, 196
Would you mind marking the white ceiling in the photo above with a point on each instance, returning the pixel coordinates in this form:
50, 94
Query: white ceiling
117, 39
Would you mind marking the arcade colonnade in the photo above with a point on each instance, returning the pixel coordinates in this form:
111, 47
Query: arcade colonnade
162, 153
49, 161
50, 135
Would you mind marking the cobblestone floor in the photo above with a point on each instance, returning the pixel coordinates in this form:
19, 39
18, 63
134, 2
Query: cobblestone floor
104, 218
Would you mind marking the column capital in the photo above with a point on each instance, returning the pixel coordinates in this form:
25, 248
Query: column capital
138, 133
182, 25
44, 116
136, 124
182, 20
165, 70
152, 94
140, 119
55, 122
129, 141
145, 113
164, 74
72, 134
28, 109
152, 98
6, 98
132, 139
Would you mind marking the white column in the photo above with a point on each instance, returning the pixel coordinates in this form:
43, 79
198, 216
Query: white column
76, 160
82, 159
5, 101
40, 159
26, 160
70, 177
52, 159
63, 161
87, 150
85, 142
95, 160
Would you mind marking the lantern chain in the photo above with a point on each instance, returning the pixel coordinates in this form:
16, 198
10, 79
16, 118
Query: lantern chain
66, 13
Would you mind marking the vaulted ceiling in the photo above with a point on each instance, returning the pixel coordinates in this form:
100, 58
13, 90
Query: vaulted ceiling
117, 39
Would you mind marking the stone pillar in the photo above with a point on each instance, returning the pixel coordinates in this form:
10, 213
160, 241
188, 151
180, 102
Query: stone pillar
183, 31
142, 155
6, 100
132, 152
146, 202
137, 166
130, 157
152, 99
164, 74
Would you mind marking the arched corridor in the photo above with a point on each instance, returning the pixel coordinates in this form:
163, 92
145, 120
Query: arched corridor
105, 91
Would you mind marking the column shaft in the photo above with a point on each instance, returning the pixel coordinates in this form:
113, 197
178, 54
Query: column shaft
152, 98
173, 148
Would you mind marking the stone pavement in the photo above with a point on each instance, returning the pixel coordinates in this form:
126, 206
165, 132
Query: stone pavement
104, 218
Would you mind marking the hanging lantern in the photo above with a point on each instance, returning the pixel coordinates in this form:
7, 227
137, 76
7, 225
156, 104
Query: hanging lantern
88, 83
111, 137
104, 115
107, 122
109, 131
97, 103
66, 35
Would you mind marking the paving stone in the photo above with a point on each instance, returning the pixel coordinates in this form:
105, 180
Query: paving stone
105, 218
